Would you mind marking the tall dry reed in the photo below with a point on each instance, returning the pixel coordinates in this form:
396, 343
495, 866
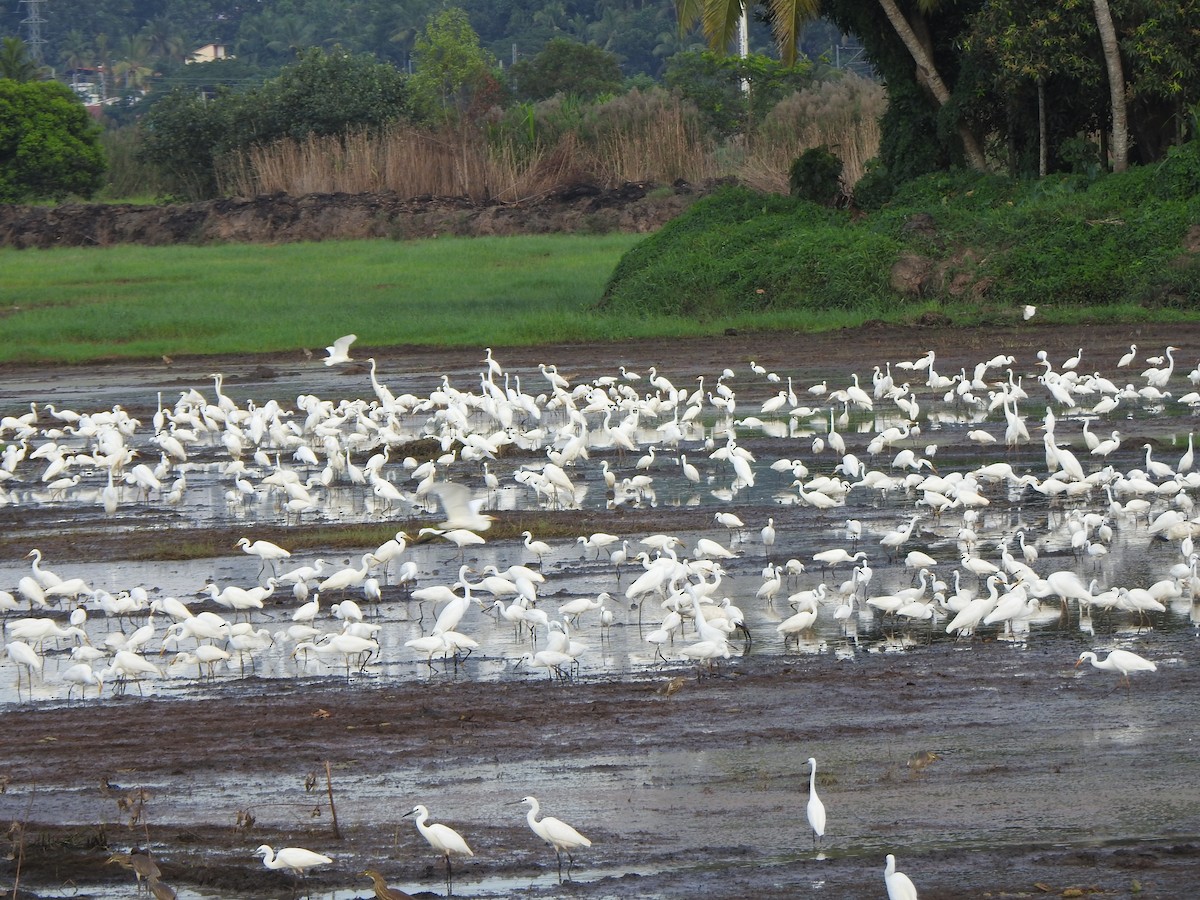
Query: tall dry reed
841, 115
639, 136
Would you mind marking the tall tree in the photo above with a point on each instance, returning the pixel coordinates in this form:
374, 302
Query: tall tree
927, 74
163, 40
75, 51
1116, 85
452, 70
15, 61
720, 19
133, 64
49, 145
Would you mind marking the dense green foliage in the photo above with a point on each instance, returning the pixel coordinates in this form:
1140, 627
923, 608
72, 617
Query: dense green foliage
15, 62
49, 145
733, 93
186, 135
455, 77
567, 67
268, 33
994, 244
816, 175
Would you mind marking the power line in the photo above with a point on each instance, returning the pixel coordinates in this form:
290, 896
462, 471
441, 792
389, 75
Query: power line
33, 23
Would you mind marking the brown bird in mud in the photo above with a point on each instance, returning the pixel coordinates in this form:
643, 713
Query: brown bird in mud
919, 761
161, 890
382, 891
141, 864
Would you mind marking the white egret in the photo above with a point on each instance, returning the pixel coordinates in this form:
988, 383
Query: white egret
339, 350
1121, 661
266, 551
442, 838
539, 549
555, 832
296, 859
899, 886
461, 508
816, 809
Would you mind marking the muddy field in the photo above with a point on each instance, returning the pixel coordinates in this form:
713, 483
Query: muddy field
1052, 781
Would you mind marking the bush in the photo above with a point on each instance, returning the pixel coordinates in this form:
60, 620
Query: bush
567, 67
49, 145
816, 175
875, 187
188, 136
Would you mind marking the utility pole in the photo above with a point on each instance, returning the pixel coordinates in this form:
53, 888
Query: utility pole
744, 45
33, 23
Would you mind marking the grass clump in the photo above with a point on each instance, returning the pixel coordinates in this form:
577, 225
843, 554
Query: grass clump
742, 253
974, 249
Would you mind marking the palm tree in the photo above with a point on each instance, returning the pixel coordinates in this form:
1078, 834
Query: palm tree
290, 35
1116, 85
163, 40
133, 63
103, 63
720, 21
75, 52
15, 61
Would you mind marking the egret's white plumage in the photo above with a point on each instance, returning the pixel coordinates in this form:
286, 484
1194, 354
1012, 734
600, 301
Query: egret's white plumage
899, 886
816, 809
555, 832
339, 350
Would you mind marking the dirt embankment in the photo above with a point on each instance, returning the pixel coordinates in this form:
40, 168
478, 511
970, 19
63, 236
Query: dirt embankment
634, 207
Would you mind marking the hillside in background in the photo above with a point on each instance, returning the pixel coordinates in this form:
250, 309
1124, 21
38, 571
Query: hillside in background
156, 33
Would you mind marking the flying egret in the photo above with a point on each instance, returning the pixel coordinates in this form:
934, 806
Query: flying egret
555, 832
899, 886
339, 351
442, 838
461, 509
816, 809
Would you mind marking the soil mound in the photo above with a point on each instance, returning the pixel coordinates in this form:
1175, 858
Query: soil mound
637, 207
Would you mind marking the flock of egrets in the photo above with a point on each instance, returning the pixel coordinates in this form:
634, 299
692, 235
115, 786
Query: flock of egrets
920, 505
974, 536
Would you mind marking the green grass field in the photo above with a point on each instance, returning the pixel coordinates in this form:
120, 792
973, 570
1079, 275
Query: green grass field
132, 302
74, 305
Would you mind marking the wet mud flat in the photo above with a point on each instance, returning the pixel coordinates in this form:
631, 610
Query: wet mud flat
1052, 781
1049, 779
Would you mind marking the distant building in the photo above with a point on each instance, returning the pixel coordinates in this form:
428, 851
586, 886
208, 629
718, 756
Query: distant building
208, 53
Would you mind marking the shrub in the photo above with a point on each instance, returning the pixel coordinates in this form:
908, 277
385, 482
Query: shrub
875, 187
816, 175
49, 145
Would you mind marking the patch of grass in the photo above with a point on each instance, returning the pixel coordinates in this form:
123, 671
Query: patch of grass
1079, 250
76, 305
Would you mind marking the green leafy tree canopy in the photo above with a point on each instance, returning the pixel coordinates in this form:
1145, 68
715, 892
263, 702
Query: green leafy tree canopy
567, 67
49, 145
454, 75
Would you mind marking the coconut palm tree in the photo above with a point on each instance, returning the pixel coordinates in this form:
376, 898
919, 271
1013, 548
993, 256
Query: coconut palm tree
15, 61
75, 52
164, 40
133, 62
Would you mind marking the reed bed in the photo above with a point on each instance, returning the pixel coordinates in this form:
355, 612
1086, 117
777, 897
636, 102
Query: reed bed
640, 136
